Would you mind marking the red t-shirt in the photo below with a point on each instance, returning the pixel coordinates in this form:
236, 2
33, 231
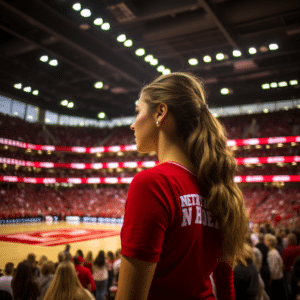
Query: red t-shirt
166, 221
85, 277
289, 255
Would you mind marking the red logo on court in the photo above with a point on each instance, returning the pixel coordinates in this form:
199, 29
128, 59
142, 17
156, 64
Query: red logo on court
57, 237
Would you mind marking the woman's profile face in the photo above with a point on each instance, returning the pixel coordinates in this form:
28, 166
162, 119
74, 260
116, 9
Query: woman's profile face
144, 127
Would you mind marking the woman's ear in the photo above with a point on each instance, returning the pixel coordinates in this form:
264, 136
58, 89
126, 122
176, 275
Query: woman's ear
161, 112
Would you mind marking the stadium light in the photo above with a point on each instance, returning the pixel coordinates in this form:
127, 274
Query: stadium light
44, 58
273, 46
18, 86
98, 21
293, 82
154, 62
265, 110
265, 86
282, 84
273, 85
86, 13
236, 53
193, 61
207, 59
98, 85
101, 115
220, 56
53, 62
77, 6
35, 92
252, 50
148, 58
121, 38
64, 102
70, 105
105, 26
140, 52
160, 68
27, 89
166, 71
224, 91
128, 43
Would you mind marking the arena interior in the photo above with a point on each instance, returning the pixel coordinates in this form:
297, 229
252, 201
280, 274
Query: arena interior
71, 73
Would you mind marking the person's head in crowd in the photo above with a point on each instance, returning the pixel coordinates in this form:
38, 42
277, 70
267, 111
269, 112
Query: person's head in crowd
42, 260
32, 259
279, 239
9, 269
110, 255
118, 254
261, 237
100, 259
80, 253
65, 284
172, 110
61, 257
24, 283
89, 257
68, 246
48, 268
78, 260
270, 240
292, 239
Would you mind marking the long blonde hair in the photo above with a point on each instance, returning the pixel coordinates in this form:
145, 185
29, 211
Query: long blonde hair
205, 141
65, 283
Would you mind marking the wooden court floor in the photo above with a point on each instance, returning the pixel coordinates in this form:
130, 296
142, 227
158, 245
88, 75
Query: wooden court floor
16, 252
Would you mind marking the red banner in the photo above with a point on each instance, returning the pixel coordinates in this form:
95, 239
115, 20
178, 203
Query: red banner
125, 148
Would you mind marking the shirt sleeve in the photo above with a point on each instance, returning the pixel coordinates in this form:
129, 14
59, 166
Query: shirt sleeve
223, 278
146, 217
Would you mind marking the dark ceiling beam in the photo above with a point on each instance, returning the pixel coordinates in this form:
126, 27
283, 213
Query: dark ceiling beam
207, 7
60, 57
52, 22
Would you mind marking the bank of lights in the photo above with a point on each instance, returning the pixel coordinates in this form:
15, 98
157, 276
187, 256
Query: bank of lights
105, 26
160, 68
281, 84
98, 21
67, 103
273, 46
26, 89
51, 62
121, 38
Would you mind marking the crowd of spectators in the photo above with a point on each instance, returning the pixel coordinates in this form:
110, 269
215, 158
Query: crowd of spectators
30, 202
271, 271
71, 277
282, 123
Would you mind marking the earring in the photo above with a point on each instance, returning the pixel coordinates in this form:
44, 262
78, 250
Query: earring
157, 123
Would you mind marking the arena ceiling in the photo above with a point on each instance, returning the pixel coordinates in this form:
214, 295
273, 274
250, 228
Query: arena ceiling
173, 31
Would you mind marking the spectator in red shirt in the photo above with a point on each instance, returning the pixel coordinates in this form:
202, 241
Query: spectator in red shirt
185, 218
290, 253
88, 262
84, 274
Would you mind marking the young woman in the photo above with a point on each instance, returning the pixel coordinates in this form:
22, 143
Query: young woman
100, 275
66, 285
275, 262
88, 262
184, 218
24, 283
